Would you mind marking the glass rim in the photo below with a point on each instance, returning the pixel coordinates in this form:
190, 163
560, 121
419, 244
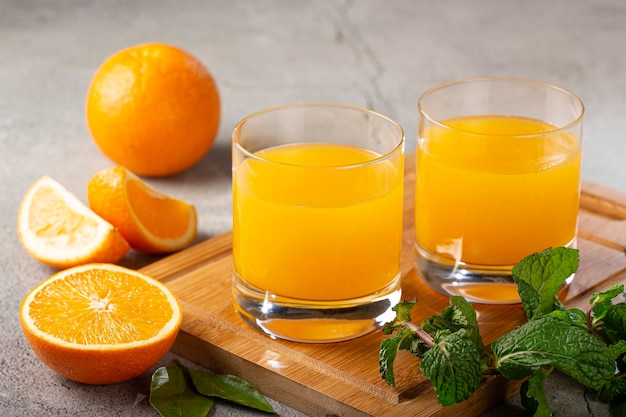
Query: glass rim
384, 156
577, 119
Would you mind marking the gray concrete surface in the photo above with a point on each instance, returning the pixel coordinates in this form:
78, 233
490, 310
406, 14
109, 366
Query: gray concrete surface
377, 54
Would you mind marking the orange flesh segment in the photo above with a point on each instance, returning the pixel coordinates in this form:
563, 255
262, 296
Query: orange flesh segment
112, 309
59, 220
163, 216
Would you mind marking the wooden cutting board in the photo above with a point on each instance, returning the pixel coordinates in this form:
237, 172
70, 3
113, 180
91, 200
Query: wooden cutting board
342, 379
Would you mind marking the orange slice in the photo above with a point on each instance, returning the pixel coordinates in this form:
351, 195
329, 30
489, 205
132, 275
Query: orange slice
150, 220
55, 227
100, 323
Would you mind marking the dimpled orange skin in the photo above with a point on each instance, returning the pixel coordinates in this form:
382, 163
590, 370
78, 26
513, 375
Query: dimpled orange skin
95, 367
154, 109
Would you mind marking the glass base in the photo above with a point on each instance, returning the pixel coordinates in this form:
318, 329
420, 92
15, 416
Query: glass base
314, 321
476, 283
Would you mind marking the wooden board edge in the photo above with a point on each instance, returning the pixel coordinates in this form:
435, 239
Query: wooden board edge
602, 200
297, 396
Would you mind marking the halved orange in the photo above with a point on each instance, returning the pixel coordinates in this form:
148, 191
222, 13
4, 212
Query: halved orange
100, 323
56, 228
150, 220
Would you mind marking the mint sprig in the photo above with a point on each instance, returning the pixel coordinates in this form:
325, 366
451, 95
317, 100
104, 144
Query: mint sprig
588, 346
453, 354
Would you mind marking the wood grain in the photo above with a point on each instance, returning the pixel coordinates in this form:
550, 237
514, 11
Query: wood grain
343, 379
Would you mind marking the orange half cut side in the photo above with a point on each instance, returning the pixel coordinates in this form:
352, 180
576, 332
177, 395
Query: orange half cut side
100, 323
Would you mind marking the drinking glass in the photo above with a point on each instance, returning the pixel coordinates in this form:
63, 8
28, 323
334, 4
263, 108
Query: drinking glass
317, 221
498, 178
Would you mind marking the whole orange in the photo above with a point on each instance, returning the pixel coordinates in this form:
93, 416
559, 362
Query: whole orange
154, 109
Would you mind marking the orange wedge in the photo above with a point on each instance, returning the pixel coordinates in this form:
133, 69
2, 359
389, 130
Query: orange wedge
100, 323
55, 227
150, 220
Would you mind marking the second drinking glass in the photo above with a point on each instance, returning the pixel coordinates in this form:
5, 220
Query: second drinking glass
498, 178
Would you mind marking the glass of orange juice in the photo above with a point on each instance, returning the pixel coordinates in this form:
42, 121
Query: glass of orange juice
497, 179
317, 221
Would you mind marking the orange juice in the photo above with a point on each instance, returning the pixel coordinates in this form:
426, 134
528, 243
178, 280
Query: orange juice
494, 189
317, 221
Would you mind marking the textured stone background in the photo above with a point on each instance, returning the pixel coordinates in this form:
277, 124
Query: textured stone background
377, 54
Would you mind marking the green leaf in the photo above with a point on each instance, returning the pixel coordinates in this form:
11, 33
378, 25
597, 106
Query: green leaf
403, 315
615, 323
172, 394
230, 388
533, 395
614, 291
548, 341
599, 311
415, 345
467, 315
389, 349
603, 301
529, 296
618, 349
573, 316
454, 366
403, 310
545, 271
459, 315
613, 391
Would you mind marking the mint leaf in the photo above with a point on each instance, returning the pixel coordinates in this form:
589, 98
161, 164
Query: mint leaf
405, 339
414, 342
403, 309
230, 388
529, 296
387, 355
618, 349
459, 315
403, 315
533, 395
613, 391
172, 394
467, 315
548, 341
613, 292
454, 366
601, 302
545, 271
573, 316
614, 327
